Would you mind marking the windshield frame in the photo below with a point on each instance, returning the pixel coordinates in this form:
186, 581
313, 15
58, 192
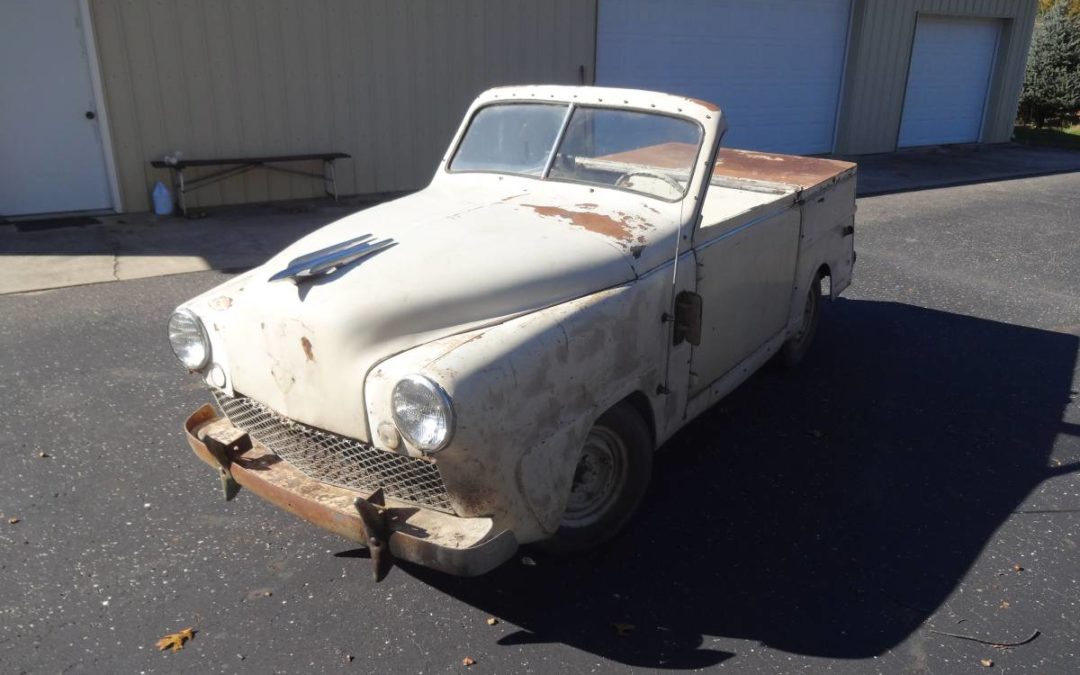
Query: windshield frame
571, 106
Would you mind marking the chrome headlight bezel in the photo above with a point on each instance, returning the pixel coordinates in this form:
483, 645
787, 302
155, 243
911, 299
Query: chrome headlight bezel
194, 328
410, 385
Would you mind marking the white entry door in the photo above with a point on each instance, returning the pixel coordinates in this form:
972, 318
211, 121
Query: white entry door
774, 67
51, 154
952, 61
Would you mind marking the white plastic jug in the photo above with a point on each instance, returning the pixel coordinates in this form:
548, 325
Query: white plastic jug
163, 203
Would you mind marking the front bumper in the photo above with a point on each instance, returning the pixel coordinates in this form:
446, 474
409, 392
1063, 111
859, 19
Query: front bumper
459, 546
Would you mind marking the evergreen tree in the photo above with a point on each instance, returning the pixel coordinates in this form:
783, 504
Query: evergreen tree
1074, 5
1052, 81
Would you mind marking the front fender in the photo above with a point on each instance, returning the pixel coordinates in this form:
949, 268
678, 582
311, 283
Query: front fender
526, 392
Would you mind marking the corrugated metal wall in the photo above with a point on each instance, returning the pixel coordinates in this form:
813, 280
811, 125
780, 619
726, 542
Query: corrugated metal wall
386, 81
879, 53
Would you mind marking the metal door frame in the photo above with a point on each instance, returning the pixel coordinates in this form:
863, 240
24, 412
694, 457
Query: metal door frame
104, 134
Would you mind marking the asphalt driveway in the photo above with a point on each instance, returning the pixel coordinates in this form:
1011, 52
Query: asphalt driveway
920, 473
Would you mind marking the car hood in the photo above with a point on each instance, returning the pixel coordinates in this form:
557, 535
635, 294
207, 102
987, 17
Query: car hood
458, 263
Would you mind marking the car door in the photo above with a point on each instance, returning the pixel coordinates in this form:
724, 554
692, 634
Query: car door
746, 267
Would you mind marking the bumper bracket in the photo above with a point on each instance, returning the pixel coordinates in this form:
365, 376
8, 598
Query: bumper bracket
376, 531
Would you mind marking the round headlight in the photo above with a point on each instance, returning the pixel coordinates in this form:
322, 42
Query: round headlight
189, 340
422, 413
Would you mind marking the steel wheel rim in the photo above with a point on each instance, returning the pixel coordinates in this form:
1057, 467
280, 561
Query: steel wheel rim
598, 478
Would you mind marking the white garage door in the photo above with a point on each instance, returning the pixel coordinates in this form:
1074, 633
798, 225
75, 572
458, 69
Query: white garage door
773, 66
952, 60
51, 151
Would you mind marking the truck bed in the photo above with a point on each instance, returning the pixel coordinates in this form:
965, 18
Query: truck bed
744, 182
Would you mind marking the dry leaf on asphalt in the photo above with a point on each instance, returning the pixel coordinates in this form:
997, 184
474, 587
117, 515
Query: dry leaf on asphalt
12, 520
175, 641
1017, 568
987, 663
467, 661
259, 593
492, 621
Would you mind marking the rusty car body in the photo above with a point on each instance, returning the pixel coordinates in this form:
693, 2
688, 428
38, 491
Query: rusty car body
487, 362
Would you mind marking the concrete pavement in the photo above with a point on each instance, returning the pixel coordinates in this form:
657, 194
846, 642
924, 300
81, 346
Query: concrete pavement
946, 166
133, 246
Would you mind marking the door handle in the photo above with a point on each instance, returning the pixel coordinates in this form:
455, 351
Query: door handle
90, 114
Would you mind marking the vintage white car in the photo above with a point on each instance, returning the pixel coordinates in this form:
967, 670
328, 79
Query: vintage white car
492, 360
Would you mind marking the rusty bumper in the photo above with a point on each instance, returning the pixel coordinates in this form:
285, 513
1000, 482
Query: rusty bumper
460, 546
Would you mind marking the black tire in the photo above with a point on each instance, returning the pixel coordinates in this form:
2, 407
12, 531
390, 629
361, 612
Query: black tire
619, 441
797, 346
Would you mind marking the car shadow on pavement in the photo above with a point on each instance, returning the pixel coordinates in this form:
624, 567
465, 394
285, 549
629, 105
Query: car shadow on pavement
827, 511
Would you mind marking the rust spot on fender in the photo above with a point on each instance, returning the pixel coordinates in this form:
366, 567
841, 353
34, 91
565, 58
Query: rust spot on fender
221, 303
619, 226
306, 344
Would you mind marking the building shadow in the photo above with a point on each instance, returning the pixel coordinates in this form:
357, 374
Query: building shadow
942, 166
228, 237
827, 511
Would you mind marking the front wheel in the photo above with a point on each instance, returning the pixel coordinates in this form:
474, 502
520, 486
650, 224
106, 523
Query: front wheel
609, 481
795, 349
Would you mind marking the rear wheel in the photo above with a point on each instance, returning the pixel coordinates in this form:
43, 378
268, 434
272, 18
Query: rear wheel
609, 481
797, 346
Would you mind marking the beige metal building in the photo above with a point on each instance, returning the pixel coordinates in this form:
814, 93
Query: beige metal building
93, 91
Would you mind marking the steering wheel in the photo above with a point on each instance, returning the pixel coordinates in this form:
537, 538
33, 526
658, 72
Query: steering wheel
624, 179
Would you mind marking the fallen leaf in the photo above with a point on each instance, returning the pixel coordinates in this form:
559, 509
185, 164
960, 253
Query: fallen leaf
12, 520
987, 663
349, 658
467, 661
623, 629
492, 621
43, 455
175, 641
526, 560
259, 593
1004, 604
1017, 568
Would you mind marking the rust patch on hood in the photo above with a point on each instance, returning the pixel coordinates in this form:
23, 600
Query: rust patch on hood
619, 226
306, 344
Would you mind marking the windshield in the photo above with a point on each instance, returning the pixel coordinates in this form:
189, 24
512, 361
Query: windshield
630, 150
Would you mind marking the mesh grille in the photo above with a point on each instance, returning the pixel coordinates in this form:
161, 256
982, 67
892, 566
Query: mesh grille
336, 459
